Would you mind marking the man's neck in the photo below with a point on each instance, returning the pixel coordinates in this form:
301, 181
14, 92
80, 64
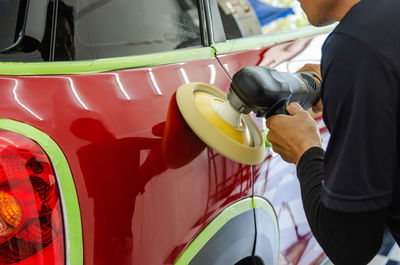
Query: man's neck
342, 8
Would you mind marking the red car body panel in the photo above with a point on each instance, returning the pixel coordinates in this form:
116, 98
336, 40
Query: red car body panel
144, 192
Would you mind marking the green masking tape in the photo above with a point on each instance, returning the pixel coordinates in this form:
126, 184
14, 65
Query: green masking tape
266, 40
220, 220
107, 64
267, 143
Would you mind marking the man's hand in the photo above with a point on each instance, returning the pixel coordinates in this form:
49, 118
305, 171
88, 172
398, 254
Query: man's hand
312, 68
292, 135
318, 107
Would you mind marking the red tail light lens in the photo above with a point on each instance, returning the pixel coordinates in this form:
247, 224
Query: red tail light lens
31, 225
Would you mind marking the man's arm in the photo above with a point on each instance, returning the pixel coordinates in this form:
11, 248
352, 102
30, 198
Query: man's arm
347, 238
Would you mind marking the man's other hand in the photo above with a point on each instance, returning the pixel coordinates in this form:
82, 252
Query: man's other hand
292, 135
318, 107
315, 69
312, 68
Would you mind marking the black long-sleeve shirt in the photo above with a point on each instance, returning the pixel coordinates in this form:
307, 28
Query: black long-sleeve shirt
353, 191
347, 238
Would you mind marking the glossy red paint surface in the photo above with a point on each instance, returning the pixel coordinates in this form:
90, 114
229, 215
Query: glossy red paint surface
275, 179
146, 185
268, 56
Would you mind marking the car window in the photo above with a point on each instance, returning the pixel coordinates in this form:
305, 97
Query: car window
35, 45
91, 29
243, 18
9, 25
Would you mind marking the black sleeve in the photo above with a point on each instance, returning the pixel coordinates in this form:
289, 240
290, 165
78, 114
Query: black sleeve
347, 238
360, 97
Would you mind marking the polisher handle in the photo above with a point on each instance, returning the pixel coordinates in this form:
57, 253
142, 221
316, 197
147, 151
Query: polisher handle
281, 110
266, 91
278, 108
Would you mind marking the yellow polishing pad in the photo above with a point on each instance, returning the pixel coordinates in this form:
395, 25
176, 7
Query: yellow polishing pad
239, 140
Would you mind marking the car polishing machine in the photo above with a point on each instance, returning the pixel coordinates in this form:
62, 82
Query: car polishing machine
222, 121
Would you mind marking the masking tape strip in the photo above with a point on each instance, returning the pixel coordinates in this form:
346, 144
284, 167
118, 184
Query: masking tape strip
263, 204
69, 196
220, 220
104, 65
265, 40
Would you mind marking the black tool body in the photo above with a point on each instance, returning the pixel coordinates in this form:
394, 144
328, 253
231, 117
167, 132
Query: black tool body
267, 92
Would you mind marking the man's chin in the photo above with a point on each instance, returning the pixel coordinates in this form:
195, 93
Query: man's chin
321, 23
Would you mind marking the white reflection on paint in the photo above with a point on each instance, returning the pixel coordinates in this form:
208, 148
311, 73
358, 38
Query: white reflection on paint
7, 140
184, 75
121, 87
213, 73
20, 103
154, 81
226, 67
73, 88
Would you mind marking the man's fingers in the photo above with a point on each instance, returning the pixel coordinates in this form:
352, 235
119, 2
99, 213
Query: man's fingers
276, 120
294, 108
273, 138
270, 137
268, 122
272, 120
317, 107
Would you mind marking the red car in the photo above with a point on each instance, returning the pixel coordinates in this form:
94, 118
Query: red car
97, 165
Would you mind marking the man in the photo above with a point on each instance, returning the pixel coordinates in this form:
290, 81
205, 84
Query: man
351, 192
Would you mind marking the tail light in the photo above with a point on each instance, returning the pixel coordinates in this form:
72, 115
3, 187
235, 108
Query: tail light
31, 225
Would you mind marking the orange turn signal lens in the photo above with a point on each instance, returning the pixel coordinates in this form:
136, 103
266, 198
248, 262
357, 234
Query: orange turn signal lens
10, 214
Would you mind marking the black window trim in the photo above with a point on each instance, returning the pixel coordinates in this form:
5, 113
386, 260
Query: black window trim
212, 30
204, 33
53, 31
214, 22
